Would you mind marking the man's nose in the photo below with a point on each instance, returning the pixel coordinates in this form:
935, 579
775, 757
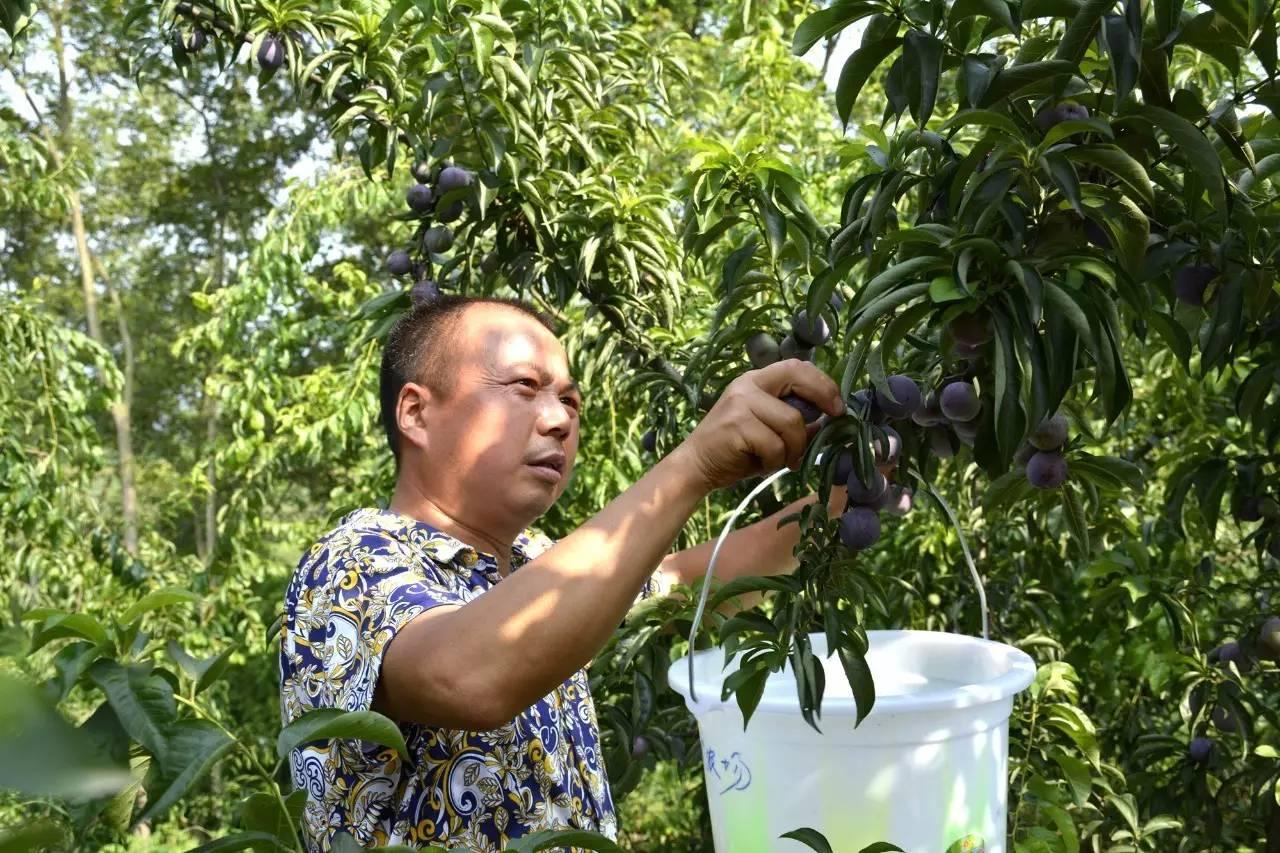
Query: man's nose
555, 417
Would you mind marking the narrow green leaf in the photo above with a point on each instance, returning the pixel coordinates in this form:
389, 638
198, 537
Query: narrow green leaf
857, 69
828, 22
1077, 521
1194, 146
142, 700
922, 54
157, 600
192, 747
1080, 30
895, 275
328, 723
811, 838
1117, 161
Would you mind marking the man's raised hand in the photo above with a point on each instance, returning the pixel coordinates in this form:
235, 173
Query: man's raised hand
751, 430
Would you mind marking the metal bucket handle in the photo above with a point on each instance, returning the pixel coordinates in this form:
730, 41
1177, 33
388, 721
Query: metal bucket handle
760, 487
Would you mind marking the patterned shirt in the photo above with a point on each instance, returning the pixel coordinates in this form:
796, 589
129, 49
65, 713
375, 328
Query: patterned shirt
350, 593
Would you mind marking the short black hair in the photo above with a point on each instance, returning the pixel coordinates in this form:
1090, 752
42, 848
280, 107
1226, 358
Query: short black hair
416, 348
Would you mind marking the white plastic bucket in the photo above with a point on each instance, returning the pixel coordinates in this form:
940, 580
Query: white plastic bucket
926, 770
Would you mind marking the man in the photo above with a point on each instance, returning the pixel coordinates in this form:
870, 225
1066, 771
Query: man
448, 614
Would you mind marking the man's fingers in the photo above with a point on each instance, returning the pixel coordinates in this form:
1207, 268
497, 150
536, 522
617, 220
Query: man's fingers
787, 423
800, 377
766, 445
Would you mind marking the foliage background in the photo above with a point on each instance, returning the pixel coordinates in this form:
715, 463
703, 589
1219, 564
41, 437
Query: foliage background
187, 378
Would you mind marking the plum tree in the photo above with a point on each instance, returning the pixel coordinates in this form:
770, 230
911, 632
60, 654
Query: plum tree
490, 263
866, 493
1190, 283
399, 263
1200, 749
419, 198
421, 171
859, 528
270, 53
959, 401
906, 396
1049, 116
809, 332
1269, 639
864, 403
423, 292
649, 441
790, 348
1047, 470
1051, 434
437, 240
639, 747
807, 410
762, 350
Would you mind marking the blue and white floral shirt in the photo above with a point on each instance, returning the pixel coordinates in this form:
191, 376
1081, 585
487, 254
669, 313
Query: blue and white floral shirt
350, 593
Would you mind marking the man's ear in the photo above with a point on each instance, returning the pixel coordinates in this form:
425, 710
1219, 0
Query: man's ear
413, 408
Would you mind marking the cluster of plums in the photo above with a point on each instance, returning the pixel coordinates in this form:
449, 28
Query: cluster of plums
1233, 654
1046, 467
271, 51
424, 198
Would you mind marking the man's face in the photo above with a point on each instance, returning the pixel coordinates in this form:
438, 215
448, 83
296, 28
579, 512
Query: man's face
513, 405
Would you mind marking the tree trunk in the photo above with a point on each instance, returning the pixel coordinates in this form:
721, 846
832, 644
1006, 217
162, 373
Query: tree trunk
119, 410
121, 413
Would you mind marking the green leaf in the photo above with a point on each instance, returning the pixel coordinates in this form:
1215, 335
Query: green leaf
264, 812
191, 748
857, 69
997, 9
1080, 30
922, 54
328, 723
811, 838
1012, 80
142, 700
1221, 333
1125, 49
985, 118
894, 275
881, 847
161, 598
240, 841
1077, 521
549, 838
1115, 160
45, 756
827, 22
60, 626
206, 671
753, 583
1194, 146
39, 835
861, 682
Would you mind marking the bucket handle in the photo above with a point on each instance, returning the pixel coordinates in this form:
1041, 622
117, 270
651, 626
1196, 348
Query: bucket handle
760, 487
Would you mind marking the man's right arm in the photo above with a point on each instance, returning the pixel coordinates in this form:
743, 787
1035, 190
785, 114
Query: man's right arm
478, 665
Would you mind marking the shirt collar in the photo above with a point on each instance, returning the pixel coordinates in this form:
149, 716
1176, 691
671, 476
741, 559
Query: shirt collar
444, 548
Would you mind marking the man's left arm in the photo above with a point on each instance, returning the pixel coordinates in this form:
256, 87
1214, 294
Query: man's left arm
759, 549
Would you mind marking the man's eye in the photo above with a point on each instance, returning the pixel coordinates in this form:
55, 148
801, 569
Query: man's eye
532, 383
571, 401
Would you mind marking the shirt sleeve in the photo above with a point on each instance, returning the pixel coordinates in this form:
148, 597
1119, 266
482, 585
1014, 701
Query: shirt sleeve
352, 604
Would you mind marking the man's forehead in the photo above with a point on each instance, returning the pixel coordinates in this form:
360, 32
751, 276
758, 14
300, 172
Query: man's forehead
506, 339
